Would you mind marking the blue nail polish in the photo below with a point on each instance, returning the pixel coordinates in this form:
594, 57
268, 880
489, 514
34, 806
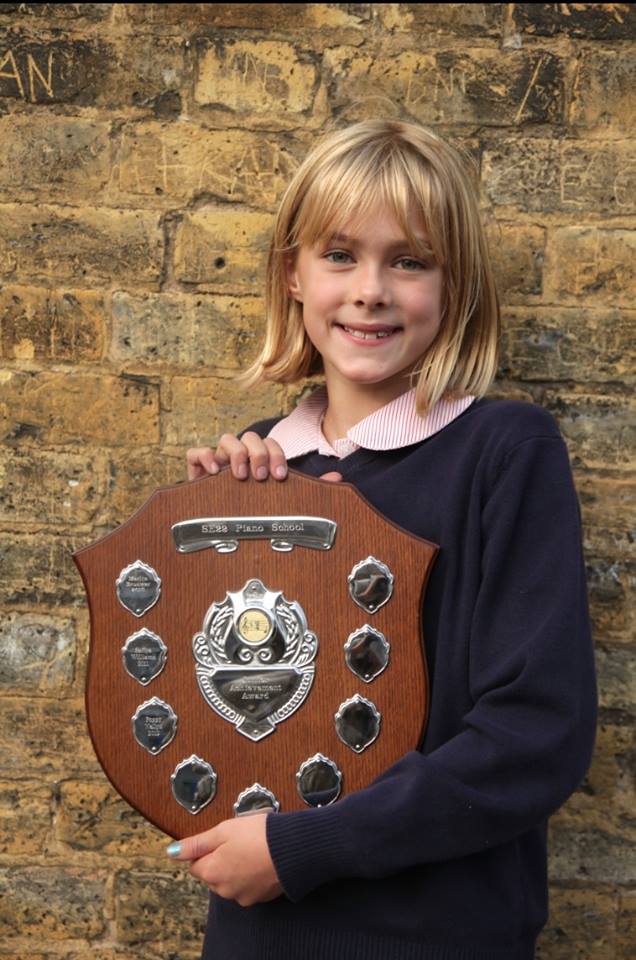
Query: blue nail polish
174, 849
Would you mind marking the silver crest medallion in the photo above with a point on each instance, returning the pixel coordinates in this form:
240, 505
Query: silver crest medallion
254, 658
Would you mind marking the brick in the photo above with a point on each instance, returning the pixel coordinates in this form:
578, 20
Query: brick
92, 12
457, 19
597, 265
51, 903
267, 81
582, 855
295, 18
180, 161
91, 816
626, 925
616, 669
553, 343
610, 583
37, 654
43, 737
62, 244
134, 478
607, 507
38, 323
62, 408
214, 333
146, 902
50, 70
56, 157
68, 487
581, 926
223, 249
22, 949
26, 813
517, 258
595, 21
599, 429
145, 71
202, 410
604, 802
477, 86
93, 951
38, 570
579, 177
141, 71
604, 91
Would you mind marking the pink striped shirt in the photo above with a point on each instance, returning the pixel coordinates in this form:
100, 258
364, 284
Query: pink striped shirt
397, 424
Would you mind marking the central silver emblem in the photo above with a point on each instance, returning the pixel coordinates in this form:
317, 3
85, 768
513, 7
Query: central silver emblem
255, 658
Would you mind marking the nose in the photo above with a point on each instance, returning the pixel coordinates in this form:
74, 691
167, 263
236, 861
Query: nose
371, 288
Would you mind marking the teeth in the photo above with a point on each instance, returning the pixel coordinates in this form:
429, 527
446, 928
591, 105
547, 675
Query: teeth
360, 335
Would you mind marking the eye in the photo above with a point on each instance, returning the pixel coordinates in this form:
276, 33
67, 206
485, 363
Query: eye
408, 263
337, 256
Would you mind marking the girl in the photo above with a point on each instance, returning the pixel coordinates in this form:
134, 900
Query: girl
379, 278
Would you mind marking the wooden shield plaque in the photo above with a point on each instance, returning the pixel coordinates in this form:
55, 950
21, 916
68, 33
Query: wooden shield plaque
253, 646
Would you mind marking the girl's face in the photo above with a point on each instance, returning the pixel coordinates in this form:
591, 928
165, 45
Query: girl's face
371, 305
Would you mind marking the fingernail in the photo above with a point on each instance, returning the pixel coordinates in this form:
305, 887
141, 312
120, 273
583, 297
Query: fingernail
214, 467
261, 473
281, 472
242, 470
174, 849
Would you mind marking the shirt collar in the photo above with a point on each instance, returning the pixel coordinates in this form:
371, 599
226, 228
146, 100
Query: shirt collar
395, 425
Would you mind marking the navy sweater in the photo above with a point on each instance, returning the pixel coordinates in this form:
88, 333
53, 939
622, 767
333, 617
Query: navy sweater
443, 857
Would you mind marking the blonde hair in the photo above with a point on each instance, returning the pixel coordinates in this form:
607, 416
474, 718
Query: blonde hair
416, 175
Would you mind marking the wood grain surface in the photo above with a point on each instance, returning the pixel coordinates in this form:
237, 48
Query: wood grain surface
191, 583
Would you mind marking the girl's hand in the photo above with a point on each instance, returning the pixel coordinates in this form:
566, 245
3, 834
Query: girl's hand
251, 452
233, 860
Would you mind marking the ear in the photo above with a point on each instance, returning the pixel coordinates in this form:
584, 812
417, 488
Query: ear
293, 281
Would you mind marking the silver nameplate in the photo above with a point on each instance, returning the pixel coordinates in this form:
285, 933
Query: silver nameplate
370, 584
254, 658
138, 587
319, 781
193, 783
358, 723
225, 533
367, 653
144, 656
154, 725
256, 799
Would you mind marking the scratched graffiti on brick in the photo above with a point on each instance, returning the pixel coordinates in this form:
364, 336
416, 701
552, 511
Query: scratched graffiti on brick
25, 77
259, 77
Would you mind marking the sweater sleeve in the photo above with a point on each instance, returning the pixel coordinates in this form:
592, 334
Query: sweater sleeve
526, 742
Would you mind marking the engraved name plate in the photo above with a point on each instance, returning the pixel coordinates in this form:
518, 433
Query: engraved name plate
319, 781
367, 653
256, 799
371, 584
154, 725
254, 658
193, 783
225, 533
144, 656
358, 723
138, 587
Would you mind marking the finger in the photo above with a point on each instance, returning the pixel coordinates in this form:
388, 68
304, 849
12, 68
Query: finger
199, 462
203, 869
277, 460
233, 451
332, 477
258, 455
194, 847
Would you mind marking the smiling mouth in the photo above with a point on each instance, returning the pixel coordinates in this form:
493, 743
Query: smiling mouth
380, 333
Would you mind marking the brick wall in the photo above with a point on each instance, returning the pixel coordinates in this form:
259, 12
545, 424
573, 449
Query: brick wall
142, 151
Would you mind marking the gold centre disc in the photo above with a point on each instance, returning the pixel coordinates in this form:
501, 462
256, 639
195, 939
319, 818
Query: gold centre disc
254, 626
